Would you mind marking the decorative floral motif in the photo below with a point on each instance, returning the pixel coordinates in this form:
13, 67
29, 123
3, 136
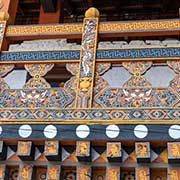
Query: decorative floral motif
137, 67
139, 81
37, 71
59, 97
175, 65
37, 83
4, 69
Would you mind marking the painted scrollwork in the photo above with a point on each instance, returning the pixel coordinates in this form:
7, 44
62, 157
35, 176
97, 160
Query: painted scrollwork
37, 71
4, 69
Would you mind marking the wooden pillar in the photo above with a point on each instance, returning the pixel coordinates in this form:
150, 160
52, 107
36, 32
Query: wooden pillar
8, 8
50, 18
84, 96
142, 173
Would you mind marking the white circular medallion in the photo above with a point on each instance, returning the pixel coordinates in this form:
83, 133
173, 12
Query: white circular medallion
82, 131
25, 131
112, 131
141, 131
1, 130
174, 131
50, 131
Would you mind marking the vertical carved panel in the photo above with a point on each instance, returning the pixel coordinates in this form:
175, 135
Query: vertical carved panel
83, 173
113, 173
114, 152
52, 150
2, 172
25, 172
53, 172
174, 152
83, 150
2, 31
174, 174
143, 151
142, 173
87, 60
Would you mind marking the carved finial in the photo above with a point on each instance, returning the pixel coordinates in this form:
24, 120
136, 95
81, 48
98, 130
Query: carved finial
92, 12
4, 16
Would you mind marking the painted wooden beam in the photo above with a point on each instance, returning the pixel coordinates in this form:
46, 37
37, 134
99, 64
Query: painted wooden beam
106, 29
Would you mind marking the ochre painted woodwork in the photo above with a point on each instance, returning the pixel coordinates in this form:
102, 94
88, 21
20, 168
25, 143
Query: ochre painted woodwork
51, 148
174, 150
142, 149
113, 173
173, 173
84, 94
142, 173
2, 171
83, 173
24, 148
83, 148
113, 27
114, 149
25, 172
53, 172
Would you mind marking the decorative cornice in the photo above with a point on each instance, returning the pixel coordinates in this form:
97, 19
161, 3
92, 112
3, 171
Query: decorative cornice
102, 55
104, 28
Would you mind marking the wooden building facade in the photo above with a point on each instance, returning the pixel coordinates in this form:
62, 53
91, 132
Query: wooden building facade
86, 128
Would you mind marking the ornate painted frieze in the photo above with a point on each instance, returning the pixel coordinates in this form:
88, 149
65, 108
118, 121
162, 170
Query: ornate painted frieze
135, 97
45, 56
104, 27
136, 54
128, 114
112, 55
57, 97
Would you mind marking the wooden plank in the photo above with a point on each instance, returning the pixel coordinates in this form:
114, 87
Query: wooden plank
106, 29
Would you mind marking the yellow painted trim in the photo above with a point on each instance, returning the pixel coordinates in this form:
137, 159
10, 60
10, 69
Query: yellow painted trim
91, 122
108, 108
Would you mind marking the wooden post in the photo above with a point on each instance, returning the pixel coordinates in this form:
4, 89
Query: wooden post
84, 96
